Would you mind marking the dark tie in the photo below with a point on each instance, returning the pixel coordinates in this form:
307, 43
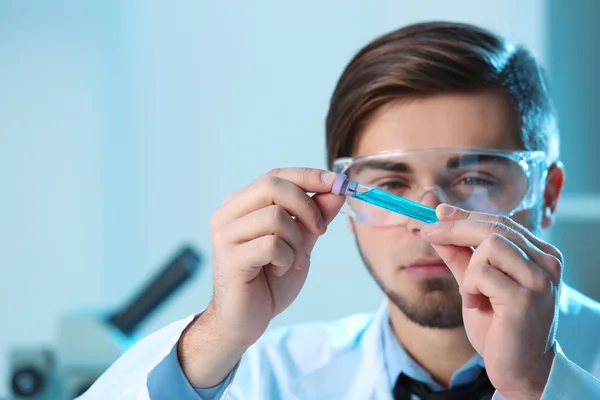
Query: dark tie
406, 386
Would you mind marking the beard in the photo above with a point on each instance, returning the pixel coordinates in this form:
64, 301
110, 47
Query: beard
437, 305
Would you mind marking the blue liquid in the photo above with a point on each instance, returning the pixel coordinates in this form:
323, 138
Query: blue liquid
398, 205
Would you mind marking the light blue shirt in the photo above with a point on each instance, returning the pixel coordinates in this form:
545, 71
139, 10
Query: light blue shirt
397, 360
167, 380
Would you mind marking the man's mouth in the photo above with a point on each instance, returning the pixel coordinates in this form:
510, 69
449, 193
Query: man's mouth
427, 268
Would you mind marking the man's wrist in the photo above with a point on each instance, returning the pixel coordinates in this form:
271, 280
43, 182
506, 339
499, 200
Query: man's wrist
540, 379
534, 386
205, 354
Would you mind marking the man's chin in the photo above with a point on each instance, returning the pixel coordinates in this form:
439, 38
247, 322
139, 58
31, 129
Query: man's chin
439, 306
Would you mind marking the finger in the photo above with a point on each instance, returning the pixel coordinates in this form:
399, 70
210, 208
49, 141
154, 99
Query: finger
252, 256
330, 205
309, 180
504, 255
270, 191
447, 212
456, 259
271, 220
469, 232
490, 282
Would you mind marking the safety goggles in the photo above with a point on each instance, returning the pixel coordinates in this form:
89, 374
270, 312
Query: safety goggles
483, 180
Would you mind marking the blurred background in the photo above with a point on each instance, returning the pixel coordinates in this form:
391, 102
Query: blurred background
124, 124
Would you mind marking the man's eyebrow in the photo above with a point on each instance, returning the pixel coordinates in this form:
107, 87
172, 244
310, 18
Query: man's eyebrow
384, 166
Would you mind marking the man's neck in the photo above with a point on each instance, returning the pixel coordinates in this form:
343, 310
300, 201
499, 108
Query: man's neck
441, 352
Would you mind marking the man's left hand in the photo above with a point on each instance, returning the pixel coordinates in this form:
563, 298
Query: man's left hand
510, 283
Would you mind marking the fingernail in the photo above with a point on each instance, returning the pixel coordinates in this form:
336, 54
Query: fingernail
320, 222
304, 262
446, 210
328, 177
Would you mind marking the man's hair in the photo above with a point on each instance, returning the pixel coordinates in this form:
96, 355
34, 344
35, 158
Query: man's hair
434, 58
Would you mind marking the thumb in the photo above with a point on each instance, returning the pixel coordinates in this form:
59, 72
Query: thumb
455, 257
330, 205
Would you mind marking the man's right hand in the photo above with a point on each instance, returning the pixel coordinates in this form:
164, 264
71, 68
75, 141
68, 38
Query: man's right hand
263, 236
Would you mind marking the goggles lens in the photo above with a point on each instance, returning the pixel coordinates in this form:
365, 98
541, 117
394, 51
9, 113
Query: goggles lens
490, 182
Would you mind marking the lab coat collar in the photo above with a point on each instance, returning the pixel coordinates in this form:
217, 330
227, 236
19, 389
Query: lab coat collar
364, 363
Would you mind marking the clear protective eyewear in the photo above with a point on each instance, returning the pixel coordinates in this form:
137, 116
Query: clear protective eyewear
482, 180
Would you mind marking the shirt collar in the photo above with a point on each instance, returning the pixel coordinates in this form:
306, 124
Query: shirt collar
397, 360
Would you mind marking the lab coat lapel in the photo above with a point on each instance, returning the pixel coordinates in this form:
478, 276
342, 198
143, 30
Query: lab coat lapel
358, 374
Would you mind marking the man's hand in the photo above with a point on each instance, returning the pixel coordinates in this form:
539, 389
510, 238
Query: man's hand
510, 283
263, 236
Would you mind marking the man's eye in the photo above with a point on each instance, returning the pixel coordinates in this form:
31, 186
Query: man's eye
475, 181
392, 185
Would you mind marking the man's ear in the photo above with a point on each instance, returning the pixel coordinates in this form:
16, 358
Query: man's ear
554, 186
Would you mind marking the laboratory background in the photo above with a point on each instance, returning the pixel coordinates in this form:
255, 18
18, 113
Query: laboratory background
124, 124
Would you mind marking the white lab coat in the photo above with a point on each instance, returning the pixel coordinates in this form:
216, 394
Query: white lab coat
344, 360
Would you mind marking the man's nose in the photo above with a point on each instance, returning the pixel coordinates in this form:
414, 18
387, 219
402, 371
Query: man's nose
431, 197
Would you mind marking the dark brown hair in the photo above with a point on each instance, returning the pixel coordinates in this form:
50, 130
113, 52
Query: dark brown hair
433, 58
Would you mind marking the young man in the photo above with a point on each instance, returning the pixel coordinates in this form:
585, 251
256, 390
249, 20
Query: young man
441, 113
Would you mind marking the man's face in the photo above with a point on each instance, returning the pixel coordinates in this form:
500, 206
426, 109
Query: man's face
395, 255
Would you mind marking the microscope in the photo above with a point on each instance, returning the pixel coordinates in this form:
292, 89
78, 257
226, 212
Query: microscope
88, 343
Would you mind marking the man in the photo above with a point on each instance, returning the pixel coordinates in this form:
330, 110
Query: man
445, 114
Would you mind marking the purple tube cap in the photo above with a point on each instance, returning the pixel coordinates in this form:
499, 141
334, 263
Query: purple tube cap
338, 183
